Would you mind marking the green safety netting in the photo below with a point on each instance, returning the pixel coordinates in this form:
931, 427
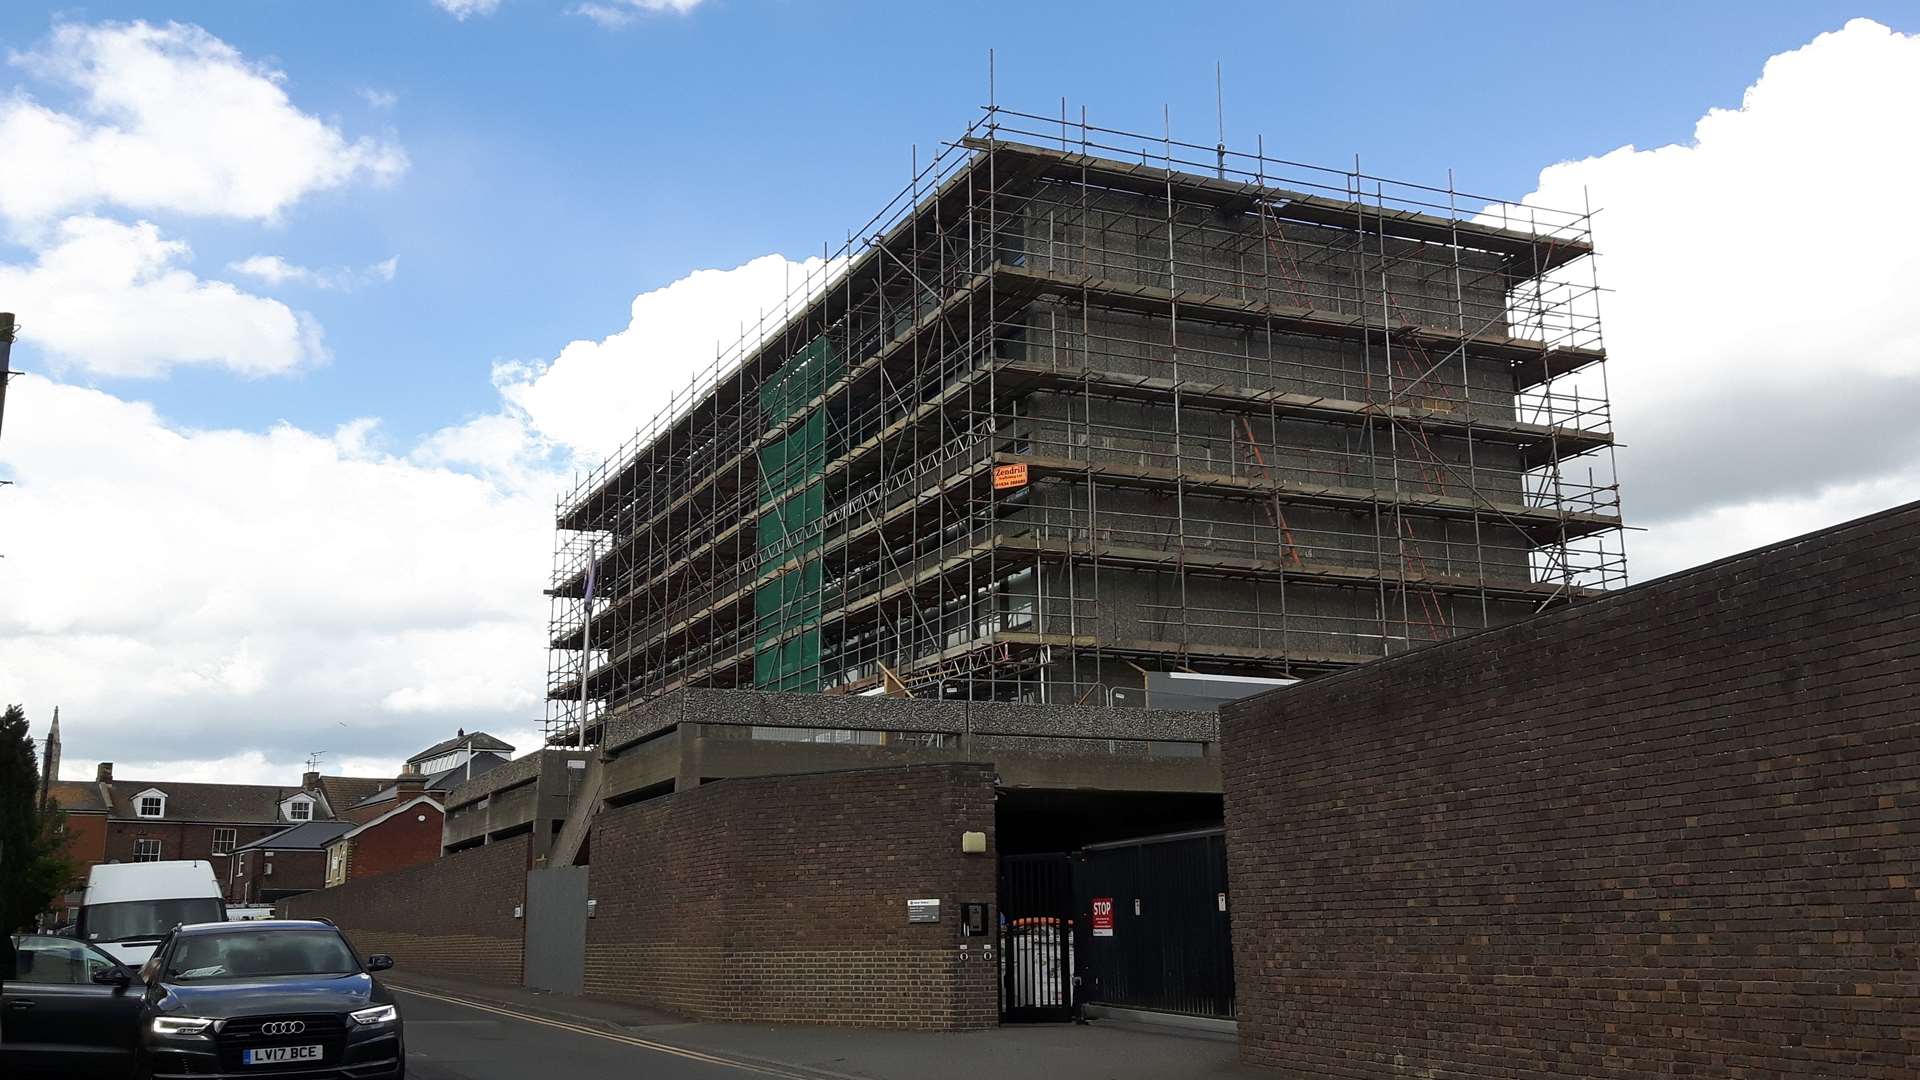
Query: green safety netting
788, 534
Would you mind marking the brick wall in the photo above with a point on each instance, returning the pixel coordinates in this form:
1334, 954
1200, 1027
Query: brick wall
783, 899
293, 871
178, 839
1673, 832
406, 839
86, 846
451, 917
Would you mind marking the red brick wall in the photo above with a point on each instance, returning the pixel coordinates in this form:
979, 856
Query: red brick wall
783, 899
293, 871
403, 840
178, 839
86, 838
86, 847
452, 916
1673, 832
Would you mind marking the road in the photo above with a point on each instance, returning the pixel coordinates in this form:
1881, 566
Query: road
469, 1033
474, 1041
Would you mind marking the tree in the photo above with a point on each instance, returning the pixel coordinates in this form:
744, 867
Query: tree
34, 867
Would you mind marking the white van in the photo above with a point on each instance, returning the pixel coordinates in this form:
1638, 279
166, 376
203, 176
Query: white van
129, 907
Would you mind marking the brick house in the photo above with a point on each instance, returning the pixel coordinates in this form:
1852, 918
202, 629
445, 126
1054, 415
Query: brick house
84, 826
113, 820
282, 864
406, 835
450, 755
435, 771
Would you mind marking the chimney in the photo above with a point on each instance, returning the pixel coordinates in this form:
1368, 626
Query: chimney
104, 774
310, 781
409, 785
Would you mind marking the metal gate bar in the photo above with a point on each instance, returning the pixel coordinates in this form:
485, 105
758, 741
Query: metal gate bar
1036, 938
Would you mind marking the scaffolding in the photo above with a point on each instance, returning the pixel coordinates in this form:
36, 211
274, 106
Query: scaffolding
1078, 405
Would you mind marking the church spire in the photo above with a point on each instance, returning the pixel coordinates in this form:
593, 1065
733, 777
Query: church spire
50, 760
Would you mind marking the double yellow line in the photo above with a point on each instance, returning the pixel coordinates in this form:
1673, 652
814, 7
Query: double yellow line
601, 1033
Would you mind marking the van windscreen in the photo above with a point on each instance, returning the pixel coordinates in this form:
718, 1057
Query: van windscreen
134, 920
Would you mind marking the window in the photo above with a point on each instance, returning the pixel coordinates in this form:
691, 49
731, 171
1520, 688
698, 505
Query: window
337, 864
144, 920
152, 805
59, 961
300, 809
252, 954
223, 840
146, 851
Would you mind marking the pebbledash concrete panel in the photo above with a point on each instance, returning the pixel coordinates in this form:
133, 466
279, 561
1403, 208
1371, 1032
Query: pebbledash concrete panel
756, 708
1672, 832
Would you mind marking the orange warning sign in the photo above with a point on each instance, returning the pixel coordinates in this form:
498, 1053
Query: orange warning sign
1009, 476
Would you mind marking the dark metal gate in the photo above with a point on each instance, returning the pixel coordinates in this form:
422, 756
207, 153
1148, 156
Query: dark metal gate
1036, 938
1166, 944
556, 929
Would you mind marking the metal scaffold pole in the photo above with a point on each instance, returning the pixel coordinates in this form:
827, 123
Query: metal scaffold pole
1078, 403
7, 330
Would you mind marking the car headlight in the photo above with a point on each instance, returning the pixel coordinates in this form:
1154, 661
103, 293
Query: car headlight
181, 1025
379, 1014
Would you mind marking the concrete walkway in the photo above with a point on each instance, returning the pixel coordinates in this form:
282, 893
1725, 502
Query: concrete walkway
1102, 1050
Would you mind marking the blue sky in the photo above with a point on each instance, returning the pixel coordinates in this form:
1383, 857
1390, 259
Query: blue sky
559, 167
227, 546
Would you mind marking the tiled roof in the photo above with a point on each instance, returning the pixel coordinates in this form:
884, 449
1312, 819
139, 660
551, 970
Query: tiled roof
345, 791
306, 836
240, 803
477, 740
77, 795
443, 780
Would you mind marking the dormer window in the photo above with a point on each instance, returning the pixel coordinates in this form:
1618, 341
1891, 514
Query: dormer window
151, 803
300, 810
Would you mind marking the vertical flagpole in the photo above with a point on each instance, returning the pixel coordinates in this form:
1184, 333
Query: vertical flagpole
586, 646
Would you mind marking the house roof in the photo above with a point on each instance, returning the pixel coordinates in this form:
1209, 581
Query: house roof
421, 800
440, 781
306, 836
475, 740
345, 791
248, 803
77, 795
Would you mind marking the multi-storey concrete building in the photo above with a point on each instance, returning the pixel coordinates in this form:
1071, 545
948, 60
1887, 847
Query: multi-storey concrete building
1080, 415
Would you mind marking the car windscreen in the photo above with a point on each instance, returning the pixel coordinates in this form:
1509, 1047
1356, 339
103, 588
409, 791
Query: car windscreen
259, 954
149, 919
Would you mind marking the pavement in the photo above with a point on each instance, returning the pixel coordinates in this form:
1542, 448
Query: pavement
469, 1031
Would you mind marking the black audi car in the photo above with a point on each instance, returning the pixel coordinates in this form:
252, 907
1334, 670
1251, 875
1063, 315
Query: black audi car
281, 998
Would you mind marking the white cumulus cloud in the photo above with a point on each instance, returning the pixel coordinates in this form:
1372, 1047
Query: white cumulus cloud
466, 9
188, 594
1761, 314
256, 595
614, 14
594, 394
275, 270
114, 299
168, 117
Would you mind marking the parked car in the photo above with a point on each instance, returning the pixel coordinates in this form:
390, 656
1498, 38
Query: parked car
129, 907
270, 997
68, 1009
226, 997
